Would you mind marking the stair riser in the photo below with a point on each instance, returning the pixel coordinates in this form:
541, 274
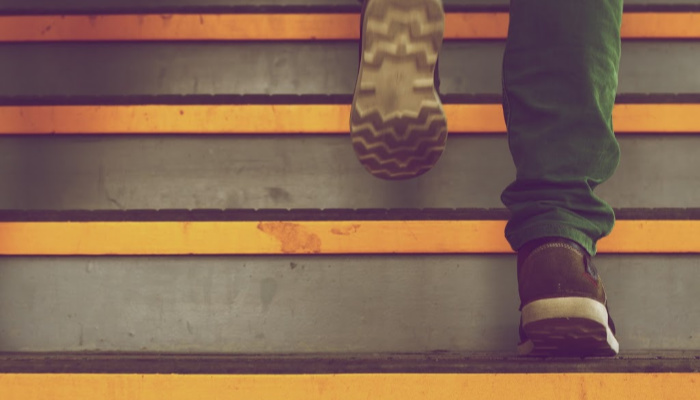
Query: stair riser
318, 172
317, 304
292, 68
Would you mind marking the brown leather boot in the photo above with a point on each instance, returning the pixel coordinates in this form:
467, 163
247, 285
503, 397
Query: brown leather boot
563, 303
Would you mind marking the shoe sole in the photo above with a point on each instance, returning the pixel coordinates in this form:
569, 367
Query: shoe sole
398, 126
570, 326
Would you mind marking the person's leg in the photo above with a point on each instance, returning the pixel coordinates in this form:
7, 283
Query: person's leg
397, 125
560, 79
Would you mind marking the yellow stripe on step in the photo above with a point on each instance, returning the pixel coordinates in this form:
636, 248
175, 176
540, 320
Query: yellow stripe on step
295, 119
313, 237
574, 386
265, 27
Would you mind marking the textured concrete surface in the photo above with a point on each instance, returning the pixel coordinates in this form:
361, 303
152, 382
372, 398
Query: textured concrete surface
128, 69
317, 304
302, 172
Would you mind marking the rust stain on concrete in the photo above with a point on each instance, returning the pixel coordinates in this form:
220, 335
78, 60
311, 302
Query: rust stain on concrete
293, 238
345, 230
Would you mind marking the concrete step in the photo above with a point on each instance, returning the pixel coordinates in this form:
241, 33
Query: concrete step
162, 68
318, 304
318, 172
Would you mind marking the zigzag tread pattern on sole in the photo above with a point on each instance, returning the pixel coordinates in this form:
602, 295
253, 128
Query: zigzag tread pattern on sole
575, 337
403, 142
398, 126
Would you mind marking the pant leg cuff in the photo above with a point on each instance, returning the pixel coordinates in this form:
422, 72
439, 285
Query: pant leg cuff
519, 238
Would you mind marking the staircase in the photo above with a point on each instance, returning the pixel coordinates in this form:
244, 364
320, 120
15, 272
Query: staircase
182, 214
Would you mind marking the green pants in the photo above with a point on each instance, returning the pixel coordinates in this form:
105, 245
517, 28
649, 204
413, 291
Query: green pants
559, 84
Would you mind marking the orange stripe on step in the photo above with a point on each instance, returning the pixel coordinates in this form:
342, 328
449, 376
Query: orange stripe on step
211, 119
650, 118
467, 26
313, 237
294, 119
575, 386
179, 27
661, 25
336, 26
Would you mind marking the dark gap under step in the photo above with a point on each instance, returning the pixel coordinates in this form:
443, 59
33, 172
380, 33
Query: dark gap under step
436, 362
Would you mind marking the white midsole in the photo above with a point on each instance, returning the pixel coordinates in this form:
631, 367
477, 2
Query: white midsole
565, 307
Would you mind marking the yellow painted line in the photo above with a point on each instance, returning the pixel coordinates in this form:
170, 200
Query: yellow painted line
661, 25
574, 386
262, 27
179, 27
295, 119
313, 237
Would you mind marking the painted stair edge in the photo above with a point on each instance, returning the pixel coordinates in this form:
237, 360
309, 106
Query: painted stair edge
353, 386
293, 26
295, 119
315, 237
